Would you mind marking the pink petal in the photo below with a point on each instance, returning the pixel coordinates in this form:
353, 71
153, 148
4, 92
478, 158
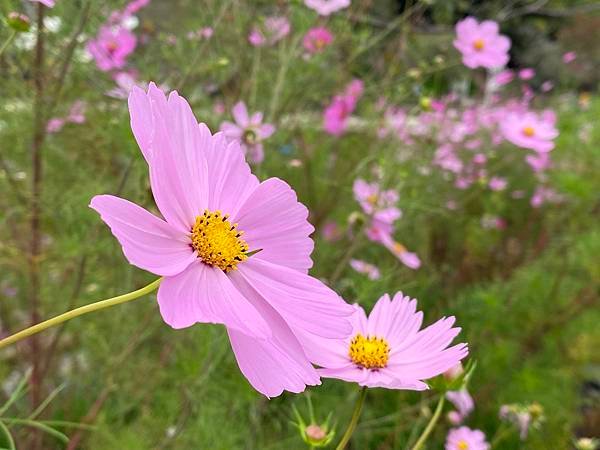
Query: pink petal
140, 112
240, 114
148, 242
205, 294
274, 221
350, 373
266, 130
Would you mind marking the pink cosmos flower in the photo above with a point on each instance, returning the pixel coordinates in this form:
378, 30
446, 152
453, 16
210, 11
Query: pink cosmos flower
371, 271
504, 77
125, 82
326, 7
409, 259
529, 130
480, 44
331, 231
538, 161
111, 47
231, 250
464, 438
377, 203
317, 39
526, 74
464, 404
497, 183
55, 124
337, 113
547, 86
569, 57
388, 349
275, 28
48, 3
249, 131
77, 112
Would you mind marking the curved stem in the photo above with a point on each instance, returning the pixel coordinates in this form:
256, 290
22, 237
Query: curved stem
7, 42
431, 425
79, 312
354, 420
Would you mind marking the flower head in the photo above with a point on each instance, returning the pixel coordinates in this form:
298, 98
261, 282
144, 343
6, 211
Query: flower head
111, 47
369, 270
274, 29
388, 350
530, 130
317, 39
480, 44
249, 131
464, 438
326, 7
569, 57
463, 402
231, 250
377, 203
337, 113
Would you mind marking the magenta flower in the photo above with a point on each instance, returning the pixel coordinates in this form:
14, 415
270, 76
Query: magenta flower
529, 130
504, 77
480, 44
111, 47
569, 57
388, 349
337, 113
371, 271
317, 39
231, 250
526, 74
464, 438
326, 7
377, 203
48, 3
249, 131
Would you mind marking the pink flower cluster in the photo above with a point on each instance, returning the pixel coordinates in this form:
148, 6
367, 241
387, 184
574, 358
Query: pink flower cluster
76, 115
274, 29
337, 113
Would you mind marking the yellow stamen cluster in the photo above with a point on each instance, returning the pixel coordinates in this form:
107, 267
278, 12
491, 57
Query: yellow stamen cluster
478, 44
462, 445
373, 199
218, 242
399, 248
369, 352
528, 131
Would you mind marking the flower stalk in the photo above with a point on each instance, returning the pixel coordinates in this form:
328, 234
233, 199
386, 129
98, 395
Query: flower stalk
354, 420
79, 312
431, 425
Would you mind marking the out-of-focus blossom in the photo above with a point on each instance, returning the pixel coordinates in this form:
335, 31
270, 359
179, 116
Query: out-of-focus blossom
497, 183
504, 77
125, 82
526, 74
530, 130
273, 30
202, 33
249, 130
480, 44
326, 7
388, 350
569, 57
337, 113
538, 161
377, 203
317, 39
543, 195
370, 270
48, 3
524, 417
409, 259
18, 22
587, 444
464, 438
111, 47
55, 124
547, 86
464, 404
331, 231
77, 112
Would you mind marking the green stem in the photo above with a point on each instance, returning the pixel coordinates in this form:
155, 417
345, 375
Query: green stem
7, 42
354, 420
431, 425
79, 312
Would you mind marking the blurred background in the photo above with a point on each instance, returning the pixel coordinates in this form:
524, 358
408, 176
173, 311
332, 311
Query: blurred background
500, 236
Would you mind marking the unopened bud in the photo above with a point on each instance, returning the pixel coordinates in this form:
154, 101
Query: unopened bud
18, 22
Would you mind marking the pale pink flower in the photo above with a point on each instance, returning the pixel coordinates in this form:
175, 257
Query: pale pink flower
256, 38
547, 86
529, 130
377, 203
77, 112
274, 29
331, 231
249, 131
317, 39
409, 259
230, 249
388, 349
569, 57
497, 183
111, 47
463, 402
125, 82
337, 113
48, 3
55, 124
480, 44
370, 270
464, 438
504, 77
538, 161
326, 7
543, 195
526, 74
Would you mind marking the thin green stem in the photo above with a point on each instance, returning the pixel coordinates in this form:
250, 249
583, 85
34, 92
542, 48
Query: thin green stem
431, 425
79, 312
354, 420
7, 42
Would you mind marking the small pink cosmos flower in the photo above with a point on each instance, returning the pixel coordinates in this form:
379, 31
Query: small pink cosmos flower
48, 3
529, 130
55, 124
480, 44
497, 183
337, 113
326, 7
569, 57
371, 271
538, 161
377, 203
231, 250
111, 47
526, 74
409, 259
504, 77
464, 438
249, 131
275, 28
464, 404
317, 39
388, 349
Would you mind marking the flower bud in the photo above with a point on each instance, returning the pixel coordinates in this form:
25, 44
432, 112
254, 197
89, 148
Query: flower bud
18, 22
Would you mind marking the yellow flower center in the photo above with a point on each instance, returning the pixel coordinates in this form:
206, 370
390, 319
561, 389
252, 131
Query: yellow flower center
399, 248
218, 242
528, 131
369, 352
372, 199
478, 44
462, 445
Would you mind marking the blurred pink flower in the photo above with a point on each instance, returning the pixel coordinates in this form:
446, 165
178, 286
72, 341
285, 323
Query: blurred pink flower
497, 183
274, 29
464, 438
77, 112
538, 161
317, 39
529, 130
249, 131
111, 47
208, 196
48, 3
526, 74
569, 57
409, 259
363, 267
134, 6
256, 38
504, 77
125, 82
377, 203
463, 402
55, 124
331, 231
388, 350
543, 195
481, 44
335, 116
326, 7
547, 86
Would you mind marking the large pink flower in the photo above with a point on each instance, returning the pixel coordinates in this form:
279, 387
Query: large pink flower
249, 131
231, 250
111, 47
388, 349
464, 438
480, 44
530, 130
326, 7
